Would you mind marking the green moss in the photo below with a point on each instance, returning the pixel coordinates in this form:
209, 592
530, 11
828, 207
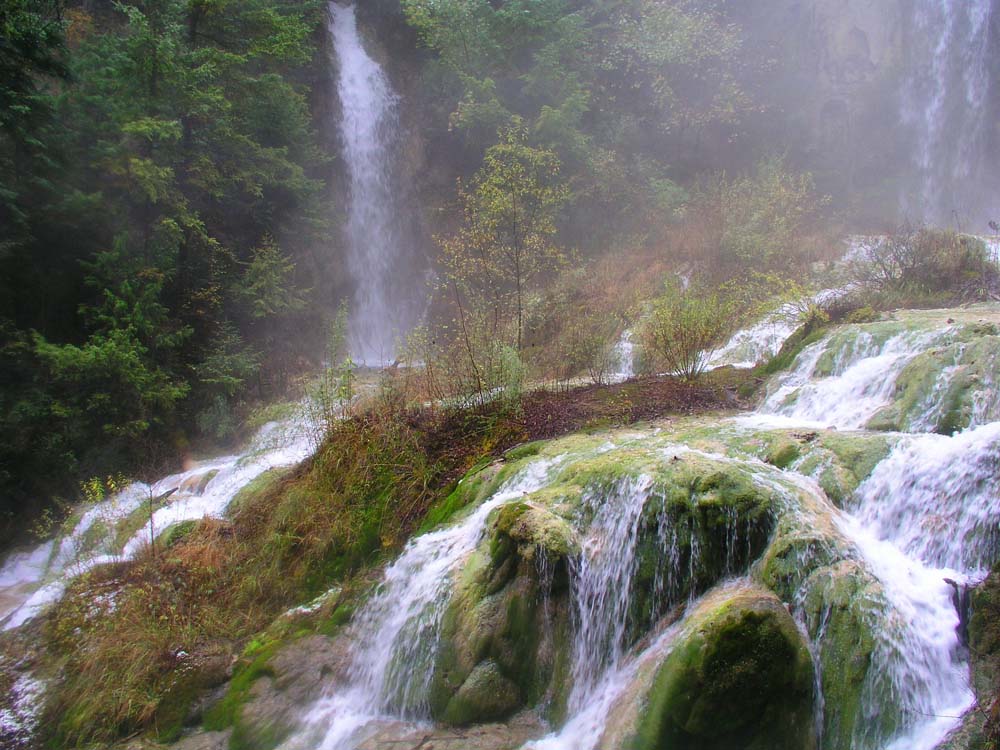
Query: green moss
842, 607
783, 453
740, 679
254, 665
936, 390
259, 487
176, 533
805, 336
524, 451
486, 695
984, 638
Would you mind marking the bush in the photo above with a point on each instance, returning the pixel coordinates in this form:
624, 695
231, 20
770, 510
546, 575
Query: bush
911, 265
687, 324
755, 223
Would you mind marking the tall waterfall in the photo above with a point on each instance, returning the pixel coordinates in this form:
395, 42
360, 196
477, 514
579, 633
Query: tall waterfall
381, 310
947, 109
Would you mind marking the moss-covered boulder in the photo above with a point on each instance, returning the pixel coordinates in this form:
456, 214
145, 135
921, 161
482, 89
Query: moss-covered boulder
739, 677
948, 387
271, 685
498, 647
699, 518
814, 568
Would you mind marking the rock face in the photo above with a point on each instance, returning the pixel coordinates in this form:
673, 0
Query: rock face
267, 700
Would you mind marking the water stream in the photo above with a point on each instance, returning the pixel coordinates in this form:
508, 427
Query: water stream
395, 634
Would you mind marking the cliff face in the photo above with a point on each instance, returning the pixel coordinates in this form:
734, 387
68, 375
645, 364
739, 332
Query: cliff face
893, 102
834, 71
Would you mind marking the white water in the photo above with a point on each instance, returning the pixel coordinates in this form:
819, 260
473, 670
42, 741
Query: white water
369, 126
602, 577
396, 633
945, 106
928, 512
861, 382
623, 358
30, 581
938, 498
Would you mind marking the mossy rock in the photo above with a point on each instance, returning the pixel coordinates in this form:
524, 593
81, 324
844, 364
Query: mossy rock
947, 388
471, 489
984, 638
176, 533
506, 621
739, 678
841, 461
486, 695
843, 607
195, 675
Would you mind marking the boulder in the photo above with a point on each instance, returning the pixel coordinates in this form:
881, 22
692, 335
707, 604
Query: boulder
739, 676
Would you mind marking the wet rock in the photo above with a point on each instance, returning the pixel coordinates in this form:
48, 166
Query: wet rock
484, 696
739, 676
289, 681
508, 736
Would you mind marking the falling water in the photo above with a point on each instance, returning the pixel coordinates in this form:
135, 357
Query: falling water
946, 107
369, 127
602, 579
860, 381
30, 581
397, 631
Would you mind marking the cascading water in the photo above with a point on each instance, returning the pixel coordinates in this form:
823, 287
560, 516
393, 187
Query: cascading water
901, 525
948, 108
397, 631
842, 387
29, 581
376, 249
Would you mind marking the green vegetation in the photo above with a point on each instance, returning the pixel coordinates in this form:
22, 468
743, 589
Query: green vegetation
925, 268
159, 172
741, 677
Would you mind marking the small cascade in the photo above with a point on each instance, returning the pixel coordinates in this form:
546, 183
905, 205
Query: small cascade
947, 107
918, 667
602, 577
396, 633
842, 383
623, 358
937, 498
30, 581
376, 258
757, 343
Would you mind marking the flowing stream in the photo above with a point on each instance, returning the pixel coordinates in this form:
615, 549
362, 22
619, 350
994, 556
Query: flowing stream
928, 512
396, 632
32, 579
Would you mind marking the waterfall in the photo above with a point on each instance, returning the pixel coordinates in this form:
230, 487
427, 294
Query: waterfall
946, 107
843, 386
396, 633
30, 581
602, 579
381, 309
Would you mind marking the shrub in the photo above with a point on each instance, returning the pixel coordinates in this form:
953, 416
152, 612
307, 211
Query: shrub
755, 223
687, 324
910, 265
